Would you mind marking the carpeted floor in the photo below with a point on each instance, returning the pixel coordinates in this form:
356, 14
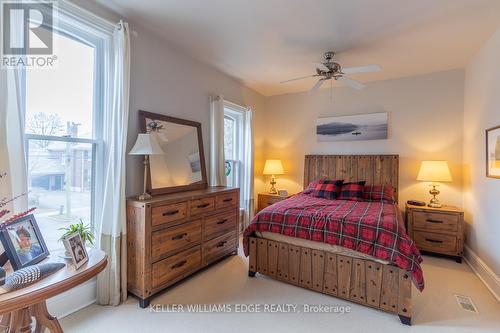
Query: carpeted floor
434, 310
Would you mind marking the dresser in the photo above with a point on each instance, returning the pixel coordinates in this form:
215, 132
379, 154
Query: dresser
171, 236
437, 230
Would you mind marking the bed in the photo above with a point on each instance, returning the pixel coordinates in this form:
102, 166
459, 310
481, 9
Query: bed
358, 251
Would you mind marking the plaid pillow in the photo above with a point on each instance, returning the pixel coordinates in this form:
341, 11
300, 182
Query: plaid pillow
328, 189
379, 193
311, 187
352, 191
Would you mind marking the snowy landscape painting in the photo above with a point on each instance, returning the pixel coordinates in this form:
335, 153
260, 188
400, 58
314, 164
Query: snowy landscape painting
371, 126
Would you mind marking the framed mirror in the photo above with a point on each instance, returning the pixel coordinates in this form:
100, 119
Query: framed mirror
182, 166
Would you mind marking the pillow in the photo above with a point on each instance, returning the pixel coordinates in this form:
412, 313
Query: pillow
328, 189
352, 191
379, 193
311, 187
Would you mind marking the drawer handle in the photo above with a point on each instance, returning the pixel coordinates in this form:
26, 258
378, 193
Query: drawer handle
170, 212
228, 200
433, 241
221, 244
203, 205
179, 264
179, 236
222, 221
434, 221
270, 203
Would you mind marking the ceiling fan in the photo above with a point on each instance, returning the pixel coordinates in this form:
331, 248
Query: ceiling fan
329, 70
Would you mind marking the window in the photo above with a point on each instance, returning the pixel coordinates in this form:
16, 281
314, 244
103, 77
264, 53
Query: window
63, 110
233, 141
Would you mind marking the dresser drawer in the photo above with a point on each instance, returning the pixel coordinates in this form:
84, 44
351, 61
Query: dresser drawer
218, 224
168, 213
428, 241
226, 200
201, 206
435, 222
166, 270
172, 239
219, 247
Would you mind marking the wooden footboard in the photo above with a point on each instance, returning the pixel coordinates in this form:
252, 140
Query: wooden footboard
363, 281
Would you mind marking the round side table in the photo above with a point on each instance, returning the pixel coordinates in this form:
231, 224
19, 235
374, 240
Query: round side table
19, 306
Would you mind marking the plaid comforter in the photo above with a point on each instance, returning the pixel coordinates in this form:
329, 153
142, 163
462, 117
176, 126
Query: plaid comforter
373, 228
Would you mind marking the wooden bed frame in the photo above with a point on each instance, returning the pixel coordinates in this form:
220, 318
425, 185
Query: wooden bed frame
364, 281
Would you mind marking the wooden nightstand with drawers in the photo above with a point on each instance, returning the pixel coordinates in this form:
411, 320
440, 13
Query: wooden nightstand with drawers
267, 199
437, 230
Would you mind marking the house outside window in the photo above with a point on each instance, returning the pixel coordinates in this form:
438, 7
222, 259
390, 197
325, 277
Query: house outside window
63, 112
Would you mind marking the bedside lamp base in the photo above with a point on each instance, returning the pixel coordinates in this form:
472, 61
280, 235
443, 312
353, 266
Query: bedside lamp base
144, 196
434, 203
273, 190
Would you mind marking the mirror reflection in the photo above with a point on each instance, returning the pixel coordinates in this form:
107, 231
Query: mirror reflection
180, 163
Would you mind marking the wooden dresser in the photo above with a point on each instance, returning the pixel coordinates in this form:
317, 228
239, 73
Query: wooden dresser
174, 235
437, 230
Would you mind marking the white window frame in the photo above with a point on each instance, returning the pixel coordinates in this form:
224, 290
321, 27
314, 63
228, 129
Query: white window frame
74, 22
236, 112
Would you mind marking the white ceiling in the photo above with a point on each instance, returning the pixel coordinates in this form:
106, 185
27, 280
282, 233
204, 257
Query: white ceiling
263, 42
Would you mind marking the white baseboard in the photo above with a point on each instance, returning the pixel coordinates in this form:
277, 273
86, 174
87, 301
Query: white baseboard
73, 300
483, 271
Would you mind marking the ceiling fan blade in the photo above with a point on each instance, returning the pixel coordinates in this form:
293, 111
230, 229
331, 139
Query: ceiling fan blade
351, 83
317, 85
321, 66
299, 78
361, 69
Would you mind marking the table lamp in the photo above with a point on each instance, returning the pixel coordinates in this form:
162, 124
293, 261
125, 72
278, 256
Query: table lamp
273, 167
146, 145
434, 171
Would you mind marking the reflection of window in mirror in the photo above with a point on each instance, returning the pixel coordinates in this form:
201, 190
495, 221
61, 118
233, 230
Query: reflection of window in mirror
180, 164
233, 143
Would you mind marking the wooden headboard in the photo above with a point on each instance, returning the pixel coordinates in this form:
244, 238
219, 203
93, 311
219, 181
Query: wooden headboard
375, 169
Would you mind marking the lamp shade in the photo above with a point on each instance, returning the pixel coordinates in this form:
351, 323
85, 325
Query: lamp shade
146, 144
434, 171
273, 167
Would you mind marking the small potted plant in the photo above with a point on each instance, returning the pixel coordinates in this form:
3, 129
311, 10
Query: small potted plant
83, 229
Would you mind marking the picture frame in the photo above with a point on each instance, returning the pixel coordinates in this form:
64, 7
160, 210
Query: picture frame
359, 127
493, 152
75, 246
23, 242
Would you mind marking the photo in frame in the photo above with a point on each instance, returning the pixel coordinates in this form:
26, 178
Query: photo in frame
493, 152
371, 126
74, 245
23, 242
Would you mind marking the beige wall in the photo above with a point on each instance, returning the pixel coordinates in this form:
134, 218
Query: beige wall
482, 194
167, 81
425, 122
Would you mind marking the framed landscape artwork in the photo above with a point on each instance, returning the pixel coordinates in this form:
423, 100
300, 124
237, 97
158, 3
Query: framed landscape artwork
493, 152
371, 126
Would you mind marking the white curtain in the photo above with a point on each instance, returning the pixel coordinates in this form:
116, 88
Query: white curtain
217, 161
246, 190
12, 157
112, 282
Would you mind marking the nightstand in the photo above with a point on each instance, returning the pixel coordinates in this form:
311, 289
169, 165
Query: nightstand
267, 199
437, 230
